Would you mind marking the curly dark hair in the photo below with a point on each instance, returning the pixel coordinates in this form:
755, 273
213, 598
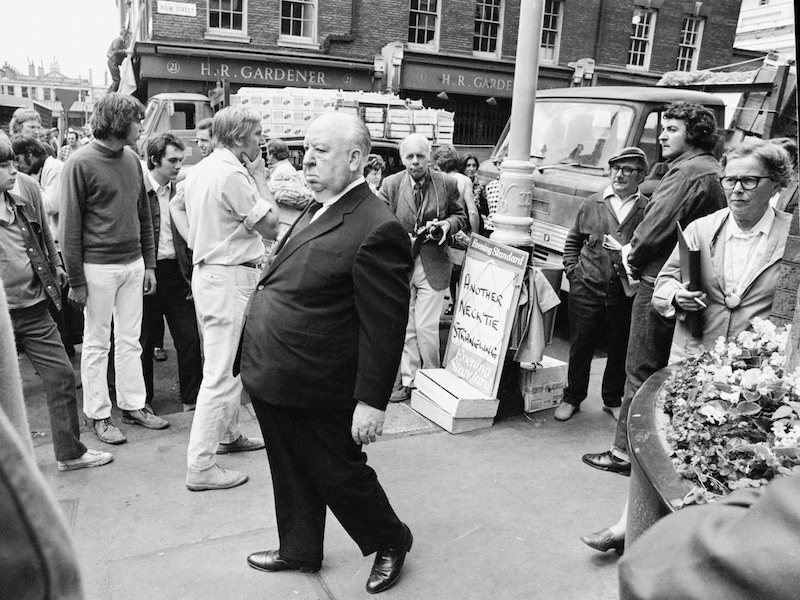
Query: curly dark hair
113, 115
701, 124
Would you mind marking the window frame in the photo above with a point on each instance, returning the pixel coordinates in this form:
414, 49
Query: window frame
557, 42
222, 33
648, 40
498, 39
433, 44
694, 48
300, 41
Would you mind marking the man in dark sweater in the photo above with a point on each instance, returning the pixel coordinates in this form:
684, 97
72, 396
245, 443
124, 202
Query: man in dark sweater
690, 189
107, 243
599, 306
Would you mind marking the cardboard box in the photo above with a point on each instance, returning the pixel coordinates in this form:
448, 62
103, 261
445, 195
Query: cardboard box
542, 384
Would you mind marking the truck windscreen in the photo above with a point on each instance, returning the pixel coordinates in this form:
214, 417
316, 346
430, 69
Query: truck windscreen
578, 133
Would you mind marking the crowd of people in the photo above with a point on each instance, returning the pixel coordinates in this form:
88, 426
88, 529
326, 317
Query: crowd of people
627, 286
324, 324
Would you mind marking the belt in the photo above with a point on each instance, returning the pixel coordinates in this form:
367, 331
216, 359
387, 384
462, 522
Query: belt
251, 265
649, 279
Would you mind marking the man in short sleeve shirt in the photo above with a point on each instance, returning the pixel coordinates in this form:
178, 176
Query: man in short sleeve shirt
230, 212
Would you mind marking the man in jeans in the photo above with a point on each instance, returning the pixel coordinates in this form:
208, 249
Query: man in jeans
689, 189
230, 212
32, 275
107, 243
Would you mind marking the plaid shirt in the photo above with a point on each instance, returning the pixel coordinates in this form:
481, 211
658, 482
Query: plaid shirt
64, 152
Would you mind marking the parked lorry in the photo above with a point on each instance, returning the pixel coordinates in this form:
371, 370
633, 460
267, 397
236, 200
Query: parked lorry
575, 131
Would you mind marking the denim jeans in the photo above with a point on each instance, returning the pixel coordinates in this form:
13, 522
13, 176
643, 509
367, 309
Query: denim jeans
113, 291
421, 347
592, 318
37, 336
220, 294
648, 351
171, 301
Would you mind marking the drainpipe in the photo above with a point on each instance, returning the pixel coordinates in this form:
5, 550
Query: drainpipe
347, 37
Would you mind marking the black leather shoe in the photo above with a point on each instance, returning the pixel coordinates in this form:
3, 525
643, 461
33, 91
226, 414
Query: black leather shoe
604, 541
389, 563
270, 560
606, 461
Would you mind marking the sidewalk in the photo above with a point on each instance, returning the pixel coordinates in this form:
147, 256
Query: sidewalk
495, 513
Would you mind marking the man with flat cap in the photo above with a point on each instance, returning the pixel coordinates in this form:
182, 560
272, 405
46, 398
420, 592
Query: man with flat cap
320, 351
689, 190
599, 302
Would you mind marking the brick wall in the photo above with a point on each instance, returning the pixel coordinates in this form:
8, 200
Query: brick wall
587, 31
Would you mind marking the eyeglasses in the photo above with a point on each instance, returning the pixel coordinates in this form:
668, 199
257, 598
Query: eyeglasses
627, 171
748, 183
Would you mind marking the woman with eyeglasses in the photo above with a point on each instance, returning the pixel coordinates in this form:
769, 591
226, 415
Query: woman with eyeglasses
741, 248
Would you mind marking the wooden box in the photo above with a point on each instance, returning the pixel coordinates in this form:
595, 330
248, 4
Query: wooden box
542, 384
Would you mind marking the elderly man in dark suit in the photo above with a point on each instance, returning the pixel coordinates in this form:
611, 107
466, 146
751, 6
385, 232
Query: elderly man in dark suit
320, 351
428, 205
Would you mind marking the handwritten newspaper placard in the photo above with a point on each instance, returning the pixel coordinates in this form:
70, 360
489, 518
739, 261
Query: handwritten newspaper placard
491, 279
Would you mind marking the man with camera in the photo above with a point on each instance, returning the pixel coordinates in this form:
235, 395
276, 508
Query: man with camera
428, 205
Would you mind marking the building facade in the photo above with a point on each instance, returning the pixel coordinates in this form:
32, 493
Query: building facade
49, 89
768, 26
453, 54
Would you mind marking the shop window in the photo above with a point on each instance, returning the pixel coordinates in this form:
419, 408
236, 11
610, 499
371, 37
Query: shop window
227, 18
423, 24
298, 21
551, 31
488, 27
689, 49
643, 25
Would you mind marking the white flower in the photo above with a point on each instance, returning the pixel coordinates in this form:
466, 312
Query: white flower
786, 437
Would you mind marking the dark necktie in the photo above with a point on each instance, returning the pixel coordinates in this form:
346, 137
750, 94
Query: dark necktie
305, 219
418, 196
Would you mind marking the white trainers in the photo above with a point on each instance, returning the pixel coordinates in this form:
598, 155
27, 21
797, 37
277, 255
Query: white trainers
90, 458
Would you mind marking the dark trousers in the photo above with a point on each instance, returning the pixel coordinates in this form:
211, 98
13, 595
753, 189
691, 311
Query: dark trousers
37, 336
648, 351
171, 301
314, 464
592, 318
115, 76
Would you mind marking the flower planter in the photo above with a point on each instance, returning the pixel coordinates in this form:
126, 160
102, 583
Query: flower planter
655, 488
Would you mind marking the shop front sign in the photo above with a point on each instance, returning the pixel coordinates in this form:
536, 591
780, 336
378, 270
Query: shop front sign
255, 73
441, 78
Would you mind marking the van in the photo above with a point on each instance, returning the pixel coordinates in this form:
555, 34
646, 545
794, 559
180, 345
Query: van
575, 131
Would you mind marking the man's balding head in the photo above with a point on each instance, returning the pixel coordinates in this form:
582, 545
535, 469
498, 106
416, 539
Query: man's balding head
336, 148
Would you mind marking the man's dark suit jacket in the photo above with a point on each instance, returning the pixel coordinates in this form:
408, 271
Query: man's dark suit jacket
442, 202
326, 324
182, 252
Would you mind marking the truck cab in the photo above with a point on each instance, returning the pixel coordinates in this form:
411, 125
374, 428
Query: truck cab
179, 114
575, 131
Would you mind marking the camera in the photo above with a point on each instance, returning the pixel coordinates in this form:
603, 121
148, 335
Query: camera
425, 233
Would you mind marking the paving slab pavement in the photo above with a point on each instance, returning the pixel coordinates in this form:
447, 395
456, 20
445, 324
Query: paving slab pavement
496, 513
